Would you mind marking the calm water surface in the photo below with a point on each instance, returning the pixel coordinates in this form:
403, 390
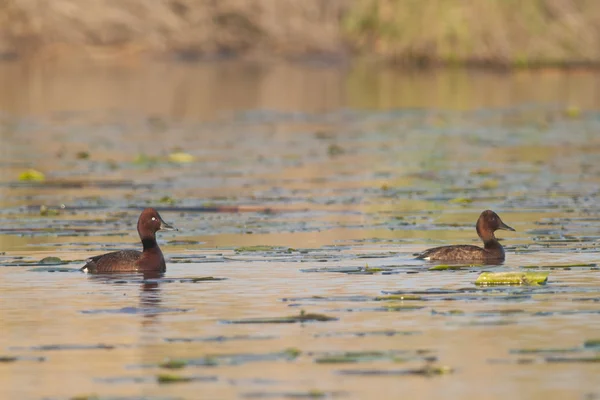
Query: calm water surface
342, 175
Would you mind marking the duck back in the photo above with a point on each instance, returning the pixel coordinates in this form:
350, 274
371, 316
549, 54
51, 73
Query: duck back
461, 253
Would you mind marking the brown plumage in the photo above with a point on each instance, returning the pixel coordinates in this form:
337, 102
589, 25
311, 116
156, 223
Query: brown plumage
150, 259
492, 250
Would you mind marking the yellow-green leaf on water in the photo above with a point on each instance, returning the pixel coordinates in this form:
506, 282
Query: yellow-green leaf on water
292, 352
167, 200
173, 364
48, 212
335, 150
83, 155
145, 160
573, 111
461, 200
512, 278
32, 175
181, 157
489, 184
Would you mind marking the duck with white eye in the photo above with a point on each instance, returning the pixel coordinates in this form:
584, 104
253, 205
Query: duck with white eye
492, 250
150, 259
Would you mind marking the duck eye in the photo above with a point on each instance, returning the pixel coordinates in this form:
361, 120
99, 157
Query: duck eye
153, 218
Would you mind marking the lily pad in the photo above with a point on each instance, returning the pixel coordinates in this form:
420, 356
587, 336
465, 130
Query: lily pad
181, 158
512, 278
32, 175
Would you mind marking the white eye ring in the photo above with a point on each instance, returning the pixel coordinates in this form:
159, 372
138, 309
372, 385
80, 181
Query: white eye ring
153, 219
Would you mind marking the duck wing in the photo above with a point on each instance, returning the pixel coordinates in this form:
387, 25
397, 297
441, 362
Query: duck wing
463, 252
117, 261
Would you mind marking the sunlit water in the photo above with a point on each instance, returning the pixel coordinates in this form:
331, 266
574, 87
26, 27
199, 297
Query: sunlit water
345, 174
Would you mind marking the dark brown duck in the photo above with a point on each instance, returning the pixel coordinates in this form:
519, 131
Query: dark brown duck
151, 259
488, 223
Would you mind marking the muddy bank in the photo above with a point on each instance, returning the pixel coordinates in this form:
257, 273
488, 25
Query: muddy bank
491, 33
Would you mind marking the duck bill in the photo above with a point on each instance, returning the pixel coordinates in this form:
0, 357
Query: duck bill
505, 227
166, 227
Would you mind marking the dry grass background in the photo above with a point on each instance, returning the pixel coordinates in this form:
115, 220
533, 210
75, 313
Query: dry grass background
185, 28
504, 32
497, 32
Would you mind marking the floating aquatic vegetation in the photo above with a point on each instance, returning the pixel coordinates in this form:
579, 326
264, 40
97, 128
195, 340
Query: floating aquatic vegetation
448, 313
174, 378
592, 359
545, 351
572, 112
512, 278
510, 361
349, 357
483, 313
180, 157
311, 394
489, 184
82, 155
144, 160
48, 212
327, 298
173, 364
219, 338
385, 308
56, 347
261, 248
335, 150
11, 359
213, 360
378, 255
32, 175
425, 371
167, 200
302, 317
